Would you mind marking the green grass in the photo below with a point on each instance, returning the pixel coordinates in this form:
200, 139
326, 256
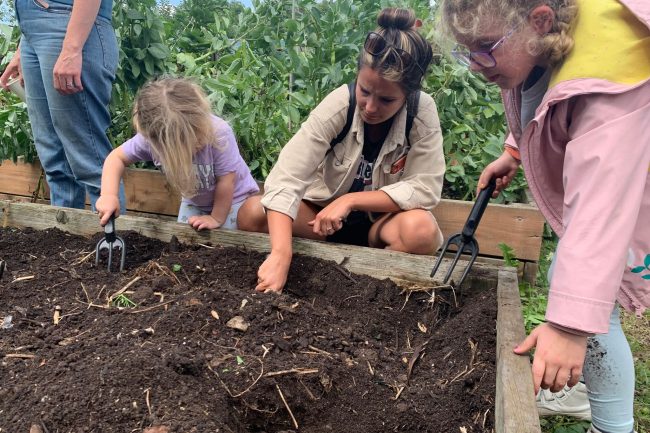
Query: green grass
637, 330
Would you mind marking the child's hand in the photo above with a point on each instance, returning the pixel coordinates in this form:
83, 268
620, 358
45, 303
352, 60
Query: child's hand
503, 170
272, 274
203, 222
558, 359
106, 206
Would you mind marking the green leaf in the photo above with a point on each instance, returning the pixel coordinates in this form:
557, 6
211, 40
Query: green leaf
133, 14
240, 360
159, 51
176, 267
646, 261
638, 269
646, 277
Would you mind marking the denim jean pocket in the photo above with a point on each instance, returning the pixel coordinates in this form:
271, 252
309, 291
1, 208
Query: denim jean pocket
108, 42
55, 8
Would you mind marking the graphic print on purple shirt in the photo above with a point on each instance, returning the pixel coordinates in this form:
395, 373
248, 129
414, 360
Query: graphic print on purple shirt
210, 162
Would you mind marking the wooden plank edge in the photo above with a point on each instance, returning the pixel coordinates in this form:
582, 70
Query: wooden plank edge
515, 406
377, 263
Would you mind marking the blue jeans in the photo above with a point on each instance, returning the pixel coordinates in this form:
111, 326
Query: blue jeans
69, 130
608, 373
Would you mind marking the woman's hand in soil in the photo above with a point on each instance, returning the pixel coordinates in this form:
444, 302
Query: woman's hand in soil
330, 219
559, 357
502, 169
272, 274
106, 206
202, 222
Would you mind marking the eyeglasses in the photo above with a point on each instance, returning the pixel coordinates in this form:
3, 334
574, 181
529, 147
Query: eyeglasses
376, 45
484, 59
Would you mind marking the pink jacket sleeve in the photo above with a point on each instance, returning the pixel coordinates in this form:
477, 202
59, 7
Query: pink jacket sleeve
605, 177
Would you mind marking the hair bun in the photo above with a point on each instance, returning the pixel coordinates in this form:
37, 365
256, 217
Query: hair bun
396, 18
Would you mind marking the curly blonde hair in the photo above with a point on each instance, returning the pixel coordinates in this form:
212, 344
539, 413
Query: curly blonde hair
470, 17
174, 115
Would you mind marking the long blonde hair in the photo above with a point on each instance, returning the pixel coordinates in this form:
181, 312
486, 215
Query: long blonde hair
470, 17
173, 114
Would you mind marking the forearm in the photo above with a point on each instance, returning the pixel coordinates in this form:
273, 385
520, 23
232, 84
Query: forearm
112, 173
372, 201
223, 197
82, 19
280, 231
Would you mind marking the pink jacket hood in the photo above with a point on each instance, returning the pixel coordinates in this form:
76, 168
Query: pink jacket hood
586, 156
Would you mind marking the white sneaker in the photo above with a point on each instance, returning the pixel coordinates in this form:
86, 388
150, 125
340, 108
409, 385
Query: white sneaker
568, 402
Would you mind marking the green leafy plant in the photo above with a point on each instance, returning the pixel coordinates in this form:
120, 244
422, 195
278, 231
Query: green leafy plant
122, 301
509, 257
176, 267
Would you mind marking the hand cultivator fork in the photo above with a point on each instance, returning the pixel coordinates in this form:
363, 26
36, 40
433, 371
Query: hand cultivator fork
465, 241
110, 241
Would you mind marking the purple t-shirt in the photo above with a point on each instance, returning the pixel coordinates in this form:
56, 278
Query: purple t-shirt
210, 162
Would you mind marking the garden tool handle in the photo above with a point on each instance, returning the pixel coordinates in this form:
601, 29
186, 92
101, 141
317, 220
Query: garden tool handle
477, 210
109, 230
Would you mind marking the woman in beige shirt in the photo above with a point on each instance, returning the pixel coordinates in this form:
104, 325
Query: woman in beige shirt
376, 187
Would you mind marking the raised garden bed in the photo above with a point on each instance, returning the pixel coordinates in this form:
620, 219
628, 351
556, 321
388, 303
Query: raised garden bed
335, 352
519, 226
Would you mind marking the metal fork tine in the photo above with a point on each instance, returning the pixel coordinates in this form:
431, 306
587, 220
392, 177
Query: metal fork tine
465, 240
454, 262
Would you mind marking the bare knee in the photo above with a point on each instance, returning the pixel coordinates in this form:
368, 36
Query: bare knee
417, 233
251, 216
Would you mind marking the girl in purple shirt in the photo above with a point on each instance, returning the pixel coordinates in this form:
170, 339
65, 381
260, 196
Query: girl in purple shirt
195, 149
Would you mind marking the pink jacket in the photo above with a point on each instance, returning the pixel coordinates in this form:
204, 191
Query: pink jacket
586, 156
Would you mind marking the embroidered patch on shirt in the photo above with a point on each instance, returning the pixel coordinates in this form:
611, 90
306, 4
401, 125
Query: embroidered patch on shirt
398, 165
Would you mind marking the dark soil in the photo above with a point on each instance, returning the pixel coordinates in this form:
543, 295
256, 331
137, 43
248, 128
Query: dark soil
337, 352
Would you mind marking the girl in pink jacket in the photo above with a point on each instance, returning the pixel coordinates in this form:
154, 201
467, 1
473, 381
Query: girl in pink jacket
575, 76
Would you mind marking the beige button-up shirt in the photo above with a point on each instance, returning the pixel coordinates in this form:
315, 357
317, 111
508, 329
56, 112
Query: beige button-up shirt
306, 168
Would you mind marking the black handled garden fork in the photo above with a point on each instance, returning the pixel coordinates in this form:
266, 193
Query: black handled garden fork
465, 241
109, 241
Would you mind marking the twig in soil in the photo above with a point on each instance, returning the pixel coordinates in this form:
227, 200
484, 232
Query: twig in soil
123, 289
372, 372
463, 373
73, 313
293, 418
29, 277
309, 393
86, 293
82, 259
57, 315
321, 351
249, 387
485, 418
399, 390
56, 285
406, 300
266, 350
416, 355
345, 272
473, 347
44, 428
19, 355
142, 310
206, 246
146, 399
298, 371
350, 297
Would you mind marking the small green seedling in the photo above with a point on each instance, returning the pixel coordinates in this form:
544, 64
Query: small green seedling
508, 255
123, 301
176, 267
240, 360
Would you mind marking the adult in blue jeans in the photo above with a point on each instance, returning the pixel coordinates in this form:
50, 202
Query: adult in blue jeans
67, 58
